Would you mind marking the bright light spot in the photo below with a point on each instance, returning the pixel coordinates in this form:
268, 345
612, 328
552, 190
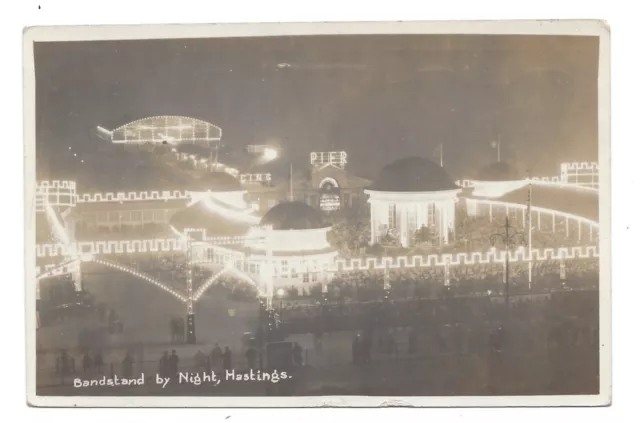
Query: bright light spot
270, 154
280, 292
75, 155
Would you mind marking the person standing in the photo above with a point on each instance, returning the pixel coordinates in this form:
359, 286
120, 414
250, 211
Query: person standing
216, 356
227, 358
163, 366
86, 362
98, 362
173, 364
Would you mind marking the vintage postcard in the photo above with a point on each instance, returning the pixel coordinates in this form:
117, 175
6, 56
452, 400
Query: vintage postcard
295, 215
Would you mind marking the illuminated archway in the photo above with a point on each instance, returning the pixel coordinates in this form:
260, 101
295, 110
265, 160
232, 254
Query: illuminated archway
143, 277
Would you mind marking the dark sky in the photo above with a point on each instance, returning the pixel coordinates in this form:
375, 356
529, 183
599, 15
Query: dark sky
379, 98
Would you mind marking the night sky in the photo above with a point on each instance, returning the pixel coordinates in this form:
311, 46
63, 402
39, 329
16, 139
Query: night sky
380, 98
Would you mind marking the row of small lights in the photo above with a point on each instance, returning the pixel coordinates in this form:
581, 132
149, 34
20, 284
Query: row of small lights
467, 258
202, 289
144, 277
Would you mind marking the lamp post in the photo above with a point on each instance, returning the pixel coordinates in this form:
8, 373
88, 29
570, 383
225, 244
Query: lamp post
191, 318
509, 239
496, 145
280, 294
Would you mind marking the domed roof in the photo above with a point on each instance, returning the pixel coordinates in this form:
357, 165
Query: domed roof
294, 215
217, 181
413, 174
498, 171
198, 216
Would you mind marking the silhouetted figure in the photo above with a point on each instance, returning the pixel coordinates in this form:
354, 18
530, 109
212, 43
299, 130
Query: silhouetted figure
127, 365
163, 366
226, 358
86, 362
173, 364
98, 363
251, 357
216, 356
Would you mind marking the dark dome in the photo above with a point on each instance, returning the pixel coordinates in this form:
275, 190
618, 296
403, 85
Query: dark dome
413, 174
217, 181
294, 215
498, 171
198, 216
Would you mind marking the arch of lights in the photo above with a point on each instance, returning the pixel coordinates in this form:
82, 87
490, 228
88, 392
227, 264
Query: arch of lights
168, 129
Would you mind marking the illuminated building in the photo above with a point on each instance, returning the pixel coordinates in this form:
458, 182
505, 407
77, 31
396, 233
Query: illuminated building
411, 194
296, 252
322, 183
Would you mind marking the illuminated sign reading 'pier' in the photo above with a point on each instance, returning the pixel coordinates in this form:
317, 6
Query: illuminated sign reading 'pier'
333, 158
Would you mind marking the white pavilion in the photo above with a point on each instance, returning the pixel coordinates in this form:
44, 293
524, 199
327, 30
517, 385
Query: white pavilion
411, 194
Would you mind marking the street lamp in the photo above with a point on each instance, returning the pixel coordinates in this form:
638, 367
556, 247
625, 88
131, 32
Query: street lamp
280, 294
509, 239
269, 154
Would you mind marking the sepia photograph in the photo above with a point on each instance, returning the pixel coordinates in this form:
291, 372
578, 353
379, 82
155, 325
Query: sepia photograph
331, 214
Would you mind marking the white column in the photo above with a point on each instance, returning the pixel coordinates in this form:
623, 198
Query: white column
490, 213
444, 218
579, 231
404, 229
372, 207
77, 275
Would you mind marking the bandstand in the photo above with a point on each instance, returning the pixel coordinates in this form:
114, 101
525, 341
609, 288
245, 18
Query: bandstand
411, 194
296, 253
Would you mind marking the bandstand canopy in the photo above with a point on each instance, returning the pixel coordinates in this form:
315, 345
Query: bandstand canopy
413, 174
294, 215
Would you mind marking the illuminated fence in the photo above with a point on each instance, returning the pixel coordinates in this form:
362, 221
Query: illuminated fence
465, 259
171, 245
99, 197
109, 247
60, 194
558, 220
581, 173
